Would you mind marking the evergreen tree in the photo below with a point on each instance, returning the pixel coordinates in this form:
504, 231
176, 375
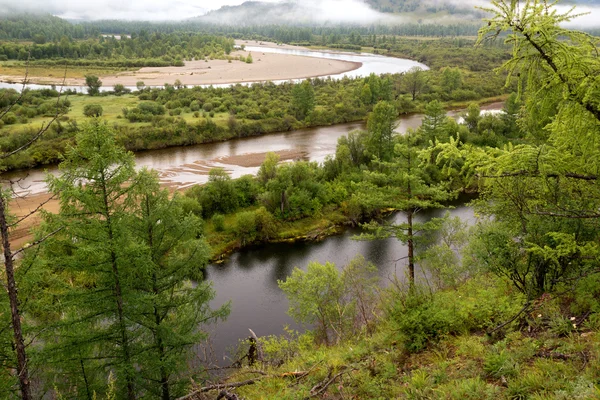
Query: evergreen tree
128, 254
380, 126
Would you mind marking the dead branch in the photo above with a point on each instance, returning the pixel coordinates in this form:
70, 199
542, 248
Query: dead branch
22, 249
322, 387
259, 351
525, 308
220, 386
23, 218
227, 396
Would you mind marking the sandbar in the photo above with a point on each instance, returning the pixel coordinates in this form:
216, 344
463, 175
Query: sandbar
265, 67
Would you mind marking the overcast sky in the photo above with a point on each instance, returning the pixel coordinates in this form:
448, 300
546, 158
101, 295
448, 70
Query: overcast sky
159, 10
120, 9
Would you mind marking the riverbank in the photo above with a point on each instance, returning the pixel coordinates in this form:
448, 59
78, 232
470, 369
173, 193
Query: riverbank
182, 167
264, 67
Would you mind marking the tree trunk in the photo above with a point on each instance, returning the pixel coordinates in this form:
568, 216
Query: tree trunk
118, 293
411, 250
11, 287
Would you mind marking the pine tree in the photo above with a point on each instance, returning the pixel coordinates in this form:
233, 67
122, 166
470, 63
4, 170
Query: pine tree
129, 255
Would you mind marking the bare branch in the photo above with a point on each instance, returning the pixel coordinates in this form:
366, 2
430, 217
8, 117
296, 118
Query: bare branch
22, 249
33, 212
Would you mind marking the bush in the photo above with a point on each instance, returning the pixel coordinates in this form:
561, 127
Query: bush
10, 118
92, 110
218, 221
245, 227
479, 304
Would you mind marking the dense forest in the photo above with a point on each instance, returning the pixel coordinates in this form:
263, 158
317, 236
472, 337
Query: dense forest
108, 298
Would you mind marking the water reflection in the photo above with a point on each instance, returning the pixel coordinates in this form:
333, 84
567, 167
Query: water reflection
249, 278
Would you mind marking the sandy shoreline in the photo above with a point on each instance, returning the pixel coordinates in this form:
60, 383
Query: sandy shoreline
21, 206
265, 67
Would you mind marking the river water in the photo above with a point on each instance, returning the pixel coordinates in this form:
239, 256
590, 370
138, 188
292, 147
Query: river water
182, 167
371, 64
249, 278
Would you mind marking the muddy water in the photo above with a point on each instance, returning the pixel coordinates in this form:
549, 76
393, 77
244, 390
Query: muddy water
181, 167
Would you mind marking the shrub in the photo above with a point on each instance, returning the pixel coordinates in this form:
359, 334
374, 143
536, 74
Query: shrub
92, 110
218, 221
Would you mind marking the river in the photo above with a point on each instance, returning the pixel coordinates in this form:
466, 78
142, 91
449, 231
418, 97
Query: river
249, 278
370, 64
182, 167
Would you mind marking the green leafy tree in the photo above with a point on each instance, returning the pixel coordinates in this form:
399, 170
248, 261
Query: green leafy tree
93, 110
415, 81
543, 194
380, 125
94, 84
303, 99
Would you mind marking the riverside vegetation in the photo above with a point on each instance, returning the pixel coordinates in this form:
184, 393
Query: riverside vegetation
505, 309
174, 115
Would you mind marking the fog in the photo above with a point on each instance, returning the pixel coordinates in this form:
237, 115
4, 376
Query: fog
147, 10
287, 11
301, 12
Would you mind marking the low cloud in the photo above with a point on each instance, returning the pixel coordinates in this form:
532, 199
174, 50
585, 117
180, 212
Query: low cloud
149, 10
300, 12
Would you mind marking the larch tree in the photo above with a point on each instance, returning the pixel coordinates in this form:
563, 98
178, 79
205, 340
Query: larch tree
95, 249
176, 300
543, 193
132, 259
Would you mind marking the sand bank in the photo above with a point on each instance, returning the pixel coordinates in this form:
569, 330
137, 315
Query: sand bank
21, 206
265, 67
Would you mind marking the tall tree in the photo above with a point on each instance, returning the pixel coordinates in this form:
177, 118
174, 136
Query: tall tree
131, 254
409, 190
303, 99
543, 194
174, 253
93, 191
380, 126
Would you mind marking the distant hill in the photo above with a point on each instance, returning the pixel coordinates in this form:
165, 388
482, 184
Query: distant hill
38, 27
306, 12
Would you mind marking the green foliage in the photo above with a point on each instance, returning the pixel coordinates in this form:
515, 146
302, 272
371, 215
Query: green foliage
218, 221
303, 100
422, 320
338, 305
380, 125
93, 110
137, 246
93, 83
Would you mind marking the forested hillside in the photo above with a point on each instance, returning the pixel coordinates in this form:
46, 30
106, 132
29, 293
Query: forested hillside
109, 298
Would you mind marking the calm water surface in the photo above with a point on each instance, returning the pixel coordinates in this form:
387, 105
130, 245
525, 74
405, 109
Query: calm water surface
249, 278
181, 167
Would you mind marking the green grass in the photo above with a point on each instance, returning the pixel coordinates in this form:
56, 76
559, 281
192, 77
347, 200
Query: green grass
112, 108
53, 73
472, 365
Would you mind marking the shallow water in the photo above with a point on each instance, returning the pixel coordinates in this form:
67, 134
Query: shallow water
371, 63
